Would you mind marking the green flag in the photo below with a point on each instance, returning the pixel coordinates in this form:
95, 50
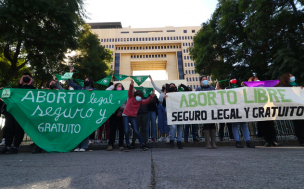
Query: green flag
66, 76
145, 90
58, 121
120, 77
80, 82
139, 79
105, 81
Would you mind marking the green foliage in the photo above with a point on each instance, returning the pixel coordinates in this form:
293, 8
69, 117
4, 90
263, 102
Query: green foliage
37, 34
92, 59
251, 37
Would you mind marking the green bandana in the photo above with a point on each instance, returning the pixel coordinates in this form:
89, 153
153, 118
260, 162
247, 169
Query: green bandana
145, 90
293, 84
139, 79
80, 82
120, 77
105, 81
58, 121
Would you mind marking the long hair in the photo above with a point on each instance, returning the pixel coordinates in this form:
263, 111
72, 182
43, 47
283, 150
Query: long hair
47, 85
91, 81
284, 80
116, 84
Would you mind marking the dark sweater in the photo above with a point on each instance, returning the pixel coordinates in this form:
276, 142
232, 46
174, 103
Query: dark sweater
152, 106
143, 109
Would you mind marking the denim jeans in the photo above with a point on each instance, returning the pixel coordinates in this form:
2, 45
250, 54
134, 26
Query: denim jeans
132, 120
245, 131
179, 132
162, 120
194, 131
84, 144
152, 122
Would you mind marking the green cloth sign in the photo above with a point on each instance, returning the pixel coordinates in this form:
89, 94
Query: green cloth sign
139, 79
80, 82
58, 121
120, 77
105, 81
145, 90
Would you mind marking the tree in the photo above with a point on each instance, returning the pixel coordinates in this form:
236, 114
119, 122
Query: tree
251, 37
92, 59
37, 33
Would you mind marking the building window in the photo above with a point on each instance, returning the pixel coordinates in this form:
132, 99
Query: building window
127, 48
193, 73
112, 46
190, 80
159, 56
196, 79
152, 38
187, 78
131, 56
186, 71
111, 67
185, 64
185, 31
170, 30
188, 65
124, 32
146, 56
185, 57
101, 40
140, 56
130, 39
179, 37
165, 55
165, 47
152, 47
149, 55
191, 64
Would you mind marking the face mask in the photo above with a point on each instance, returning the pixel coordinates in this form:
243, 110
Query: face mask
172, 89
205, 82
233, 81
292, 79
53, 86
86, 83
26, 79
119, 88
138, 98
71, 88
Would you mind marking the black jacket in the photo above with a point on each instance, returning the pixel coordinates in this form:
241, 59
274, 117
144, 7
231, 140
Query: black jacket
152, 106
143, 109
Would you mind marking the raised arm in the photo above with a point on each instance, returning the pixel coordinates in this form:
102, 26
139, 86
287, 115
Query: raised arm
155, 87
74, 85
130, 92
111, 88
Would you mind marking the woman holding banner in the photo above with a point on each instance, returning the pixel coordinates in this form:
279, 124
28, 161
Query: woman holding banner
210, 127
288, 80
235, 83
88, 85
13, 131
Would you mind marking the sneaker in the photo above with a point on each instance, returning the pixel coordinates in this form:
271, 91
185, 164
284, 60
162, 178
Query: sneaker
161, 139
82, 150
3, 142
153, 139
121, 148
76, 150
13, 150
98, 141
167, 139
127, 149
110, 148
143, 146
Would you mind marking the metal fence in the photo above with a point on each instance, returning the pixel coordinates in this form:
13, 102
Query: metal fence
284, 129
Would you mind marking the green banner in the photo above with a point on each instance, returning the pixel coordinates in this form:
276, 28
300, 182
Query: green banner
139, 79
120, 77
80, 82
105, 81
58, 121
145, 90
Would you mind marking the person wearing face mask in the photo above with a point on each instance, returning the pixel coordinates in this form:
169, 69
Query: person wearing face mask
88, 85
266, 129
162, 117
235, 83
135, 99
288, 80
179, 128
208, 129
13, 131
116, 121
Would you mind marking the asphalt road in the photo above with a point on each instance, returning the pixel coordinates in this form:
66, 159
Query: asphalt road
192, 167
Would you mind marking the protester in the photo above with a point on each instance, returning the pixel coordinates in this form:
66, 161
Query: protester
153, 112
172, 88
162, 117
88, 85
12, 130
288, 80
235, 83
2, 110
208, 129
116, 121
130, 113
266, 129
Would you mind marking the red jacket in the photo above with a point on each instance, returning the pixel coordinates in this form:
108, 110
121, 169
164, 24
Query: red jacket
132, 106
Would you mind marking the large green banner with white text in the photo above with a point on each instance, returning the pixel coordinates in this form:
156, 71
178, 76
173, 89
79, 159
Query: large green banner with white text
235, 105
57, 121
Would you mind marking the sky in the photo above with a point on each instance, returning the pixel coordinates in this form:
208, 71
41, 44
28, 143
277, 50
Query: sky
149, 14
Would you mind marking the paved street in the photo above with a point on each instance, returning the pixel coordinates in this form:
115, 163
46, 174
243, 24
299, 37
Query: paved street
192, 167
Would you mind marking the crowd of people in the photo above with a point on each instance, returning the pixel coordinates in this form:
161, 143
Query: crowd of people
143, 112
